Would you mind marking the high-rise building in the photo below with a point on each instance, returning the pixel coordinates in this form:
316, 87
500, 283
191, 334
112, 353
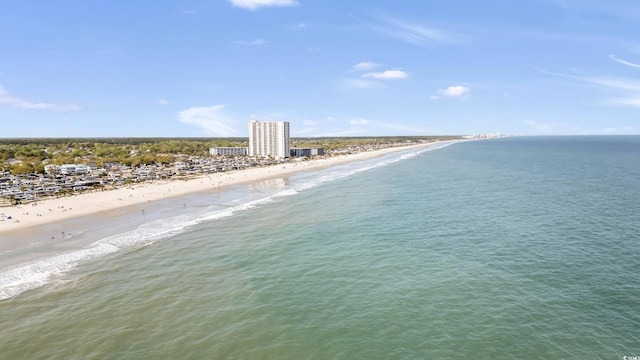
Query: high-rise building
269, 139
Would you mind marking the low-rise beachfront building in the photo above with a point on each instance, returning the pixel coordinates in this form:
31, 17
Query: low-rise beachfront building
52, 169
228, 151
70, 169
82, 169
73, 178
306, 152
67, 169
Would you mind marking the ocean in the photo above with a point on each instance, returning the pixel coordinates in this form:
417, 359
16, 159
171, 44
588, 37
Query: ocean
511, 248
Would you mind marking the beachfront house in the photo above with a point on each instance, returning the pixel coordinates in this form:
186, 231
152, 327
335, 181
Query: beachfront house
228, 151
52, 169
306, 152
67, 169
82, 169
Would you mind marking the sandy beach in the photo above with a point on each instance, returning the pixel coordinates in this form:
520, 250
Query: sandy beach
31, 216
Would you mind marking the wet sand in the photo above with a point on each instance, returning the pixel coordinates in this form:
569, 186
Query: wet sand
49, 219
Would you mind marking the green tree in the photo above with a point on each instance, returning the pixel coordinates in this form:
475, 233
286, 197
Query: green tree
23, 169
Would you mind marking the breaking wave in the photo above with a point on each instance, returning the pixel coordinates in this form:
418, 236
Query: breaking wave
19, 279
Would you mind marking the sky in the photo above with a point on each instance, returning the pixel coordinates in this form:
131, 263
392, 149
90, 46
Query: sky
205, 68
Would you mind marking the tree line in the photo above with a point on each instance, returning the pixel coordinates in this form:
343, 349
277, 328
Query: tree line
26, 156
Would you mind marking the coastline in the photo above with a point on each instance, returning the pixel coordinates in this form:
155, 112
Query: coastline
110, 202
78, 228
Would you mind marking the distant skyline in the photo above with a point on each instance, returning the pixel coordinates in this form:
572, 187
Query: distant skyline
329, 68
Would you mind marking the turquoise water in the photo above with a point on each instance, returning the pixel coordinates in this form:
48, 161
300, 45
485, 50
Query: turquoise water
511, 248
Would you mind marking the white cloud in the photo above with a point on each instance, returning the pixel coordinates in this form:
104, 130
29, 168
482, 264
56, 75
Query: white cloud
14, 101
255, 4
163, 102
623, 130
454, 91
617, 83
256, 42
365, 66
359, 122
403, 129
630, 85
387, 75
416, 34
355, 84
624, 62
632, 101
371, 79
358, 126
559, 128
342, 132
189, 12
298, 26
543, 127
555, 127
363, 125
210, 119
311, 122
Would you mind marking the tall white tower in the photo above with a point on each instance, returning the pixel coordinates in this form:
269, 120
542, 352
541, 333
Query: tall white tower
269, 139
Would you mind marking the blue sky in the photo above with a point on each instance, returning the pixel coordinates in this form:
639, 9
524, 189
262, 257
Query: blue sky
105, 68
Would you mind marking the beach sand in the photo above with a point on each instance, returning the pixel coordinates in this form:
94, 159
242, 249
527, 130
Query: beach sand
113, 202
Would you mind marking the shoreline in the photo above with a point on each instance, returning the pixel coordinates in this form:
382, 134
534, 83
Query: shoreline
49, 211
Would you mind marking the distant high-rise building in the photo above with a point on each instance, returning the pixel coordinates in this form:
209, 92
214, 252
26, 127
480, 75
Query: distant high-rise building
269, 139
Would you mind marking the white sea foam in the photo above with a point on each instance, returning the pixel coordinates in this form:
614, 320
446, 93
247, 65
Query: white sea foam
30, 276
42, 272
